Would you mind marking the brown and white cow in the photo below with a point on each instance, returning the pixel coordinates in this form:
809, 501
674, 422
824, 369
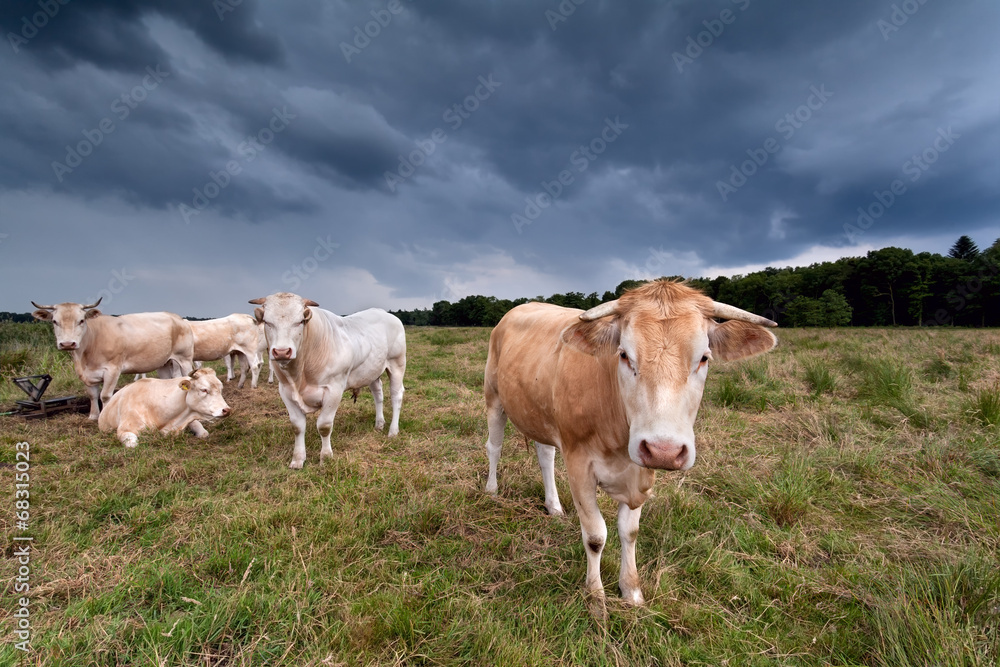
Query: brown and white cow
104, 347
616, 389
227, 337
318, 355
167, 406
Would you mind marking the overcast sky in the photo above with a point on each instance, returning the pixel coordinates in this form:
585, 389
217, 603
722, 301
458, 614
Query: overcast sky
189, 155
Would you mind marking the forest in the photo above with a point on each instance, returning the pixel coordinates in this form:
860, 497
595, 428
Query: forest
887, 287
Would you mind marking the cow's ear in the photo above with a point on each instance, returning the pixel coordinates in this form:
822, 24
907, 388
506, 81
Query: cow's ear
44, 315
258, 313
736, 339
306, 314
92, 313
595, 336
185, 384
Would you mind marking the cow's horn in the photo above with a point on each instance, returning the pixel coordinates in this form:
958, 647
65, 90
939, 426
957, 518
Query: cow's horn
726, 312
310, 302
257, 302
42, 307
94, 305
603, 310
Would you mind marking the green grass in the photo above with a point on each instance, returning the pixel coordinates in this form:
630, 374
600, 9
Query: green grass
842, 511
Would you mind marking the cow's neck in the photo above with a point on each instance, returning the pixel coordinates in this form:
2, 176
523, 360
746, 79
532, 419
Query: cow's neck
86, 351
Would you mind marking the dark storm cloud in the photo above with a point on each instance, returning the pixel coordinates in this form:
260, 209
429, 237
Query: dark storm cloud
111, 34
746, 131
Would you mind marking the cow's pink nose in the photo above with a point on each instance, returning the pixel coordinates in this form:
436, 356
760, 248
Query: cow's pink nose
665, 455
67, 346
226, 411
281, 353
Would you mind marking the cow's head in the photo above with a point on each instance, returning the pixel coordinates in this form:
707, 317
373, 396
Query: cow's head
284, 316
204, 394
69, 321
663, 335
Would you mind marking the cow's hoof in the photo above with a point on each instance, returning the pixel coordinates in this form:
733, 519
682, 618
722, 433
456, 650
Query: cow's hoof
633, 598
597, 607
379, 425
296, 465
323, 456
131, 442
555, 511
393, 432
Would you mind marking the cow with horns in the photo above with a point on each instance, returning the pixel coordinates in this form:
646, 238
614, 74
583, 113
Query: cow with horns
616, 389
104, 347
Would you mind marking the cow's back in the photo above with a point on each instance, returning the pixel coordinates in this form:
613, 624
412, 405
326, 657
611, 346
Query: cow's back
140, 342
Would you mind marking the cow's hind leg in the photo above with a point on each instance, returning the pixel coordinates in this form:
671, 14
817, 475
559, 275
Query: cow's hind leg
628, 530
547, 463
244, 363
376, 389
324, 423
110, 383
230, 359
496, 420
396, 369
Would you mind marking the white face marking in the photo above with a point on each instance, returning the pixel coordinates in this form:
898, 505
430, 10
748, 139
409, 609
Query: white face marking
662, 394
284, 324
69, 324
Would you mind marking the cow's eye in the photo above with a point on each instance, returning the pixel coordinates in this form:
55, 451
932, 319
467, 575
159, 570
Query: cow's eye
704, 359
80, 322
623, 356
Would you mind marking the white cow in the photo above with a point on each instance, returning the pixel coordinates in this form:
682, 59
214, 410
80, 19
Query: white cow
233, 360
167, 406
104, 347
226, 337
318, 355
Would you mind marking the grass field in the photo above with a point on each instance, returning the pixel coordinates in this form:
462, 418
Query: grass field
843, 510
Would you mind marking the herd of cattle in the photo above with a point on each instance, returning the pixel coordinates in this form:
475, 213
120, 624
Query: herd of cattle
615, 388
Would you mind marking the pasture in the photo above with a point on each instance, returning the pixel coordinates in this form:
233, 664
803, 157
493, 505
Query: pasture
843, 510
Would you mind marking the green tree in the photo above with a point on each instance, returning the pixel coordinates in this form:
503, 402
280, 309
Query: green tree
964, 248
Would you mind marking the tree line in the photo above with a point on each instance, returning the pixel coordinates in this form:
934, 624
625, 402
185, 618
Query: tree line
887, 287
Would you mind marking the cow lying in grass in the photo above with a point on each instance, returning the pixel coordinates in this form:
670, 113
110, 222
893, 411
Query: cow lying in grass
616, 389
167, 406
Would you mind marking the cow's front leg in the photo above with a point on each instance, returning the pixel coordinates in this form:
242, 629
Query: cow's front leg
376, 389
255, 371
628, 531
298, 419
397, 367
229, 366
199, 430
324, 422
94, 391
583, 484
128, 436
244, 363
